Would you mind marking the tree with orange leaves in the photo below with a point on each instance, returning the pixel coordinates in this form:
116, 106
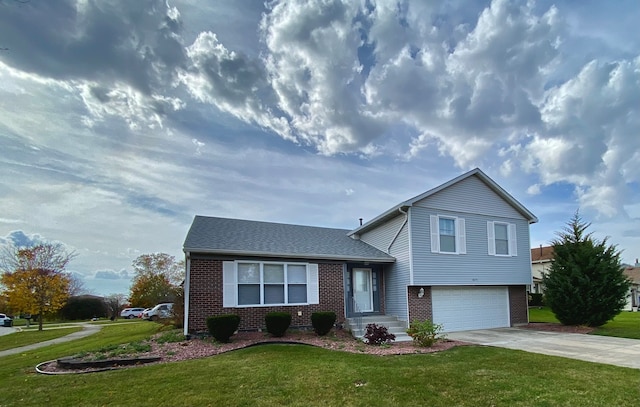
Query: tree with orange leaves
34, 278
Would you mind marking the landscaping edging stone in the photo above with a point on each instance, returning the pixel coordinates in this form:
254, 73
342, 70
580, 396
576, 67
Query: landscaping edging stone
72, 363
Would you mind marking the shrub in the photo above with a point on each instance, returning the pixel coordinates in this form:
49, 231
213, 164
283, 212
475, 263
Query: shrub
277, 323
586, 284
222, 327
425, 333
535, 300
378, 334
322, 321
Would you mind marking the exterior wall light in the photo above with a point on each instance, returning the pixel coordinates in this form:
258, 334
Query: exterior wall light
421, 292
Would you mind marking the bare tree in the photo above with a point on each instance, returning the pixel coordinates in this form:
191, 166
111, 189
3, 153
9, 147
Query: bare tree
114, 304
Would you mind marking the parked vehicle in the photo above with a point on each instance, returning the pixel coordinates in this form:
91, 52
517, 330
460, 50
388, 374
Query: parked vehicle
160, 311
5, 320
145, 310
131, 313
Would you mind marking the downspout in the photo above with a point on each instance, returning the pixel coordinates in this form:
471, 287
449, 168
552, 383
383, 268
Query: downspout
187, 285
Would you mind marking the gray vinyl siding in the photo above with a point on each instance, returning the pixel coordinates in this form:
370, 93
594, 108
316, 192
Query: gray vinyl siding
397, 274
381, 237
472, 200
471, 195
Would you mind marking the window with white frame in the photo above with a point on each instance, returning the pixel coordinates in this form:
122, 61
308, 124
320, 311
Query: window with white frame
250, 283
448, 234
502, 239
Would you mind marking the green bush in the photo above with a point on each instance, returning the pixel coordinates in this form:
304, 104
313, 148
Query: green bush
322, 321
277, 323
222, 327
425, 333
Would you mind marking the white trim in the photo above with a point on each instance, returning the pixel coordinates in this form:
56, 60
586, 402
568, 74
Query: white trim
230, 284
410, 237
461, 238
460, 235
313, 284
491, 239
512, 239
435, 233
186, 288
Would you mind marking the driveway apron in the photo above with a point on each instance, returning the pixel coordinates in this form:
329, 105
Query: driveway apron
591, 348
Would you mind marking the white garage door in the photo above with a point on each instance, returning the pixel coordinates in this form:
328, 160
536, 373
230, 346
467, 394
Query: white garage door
465, 308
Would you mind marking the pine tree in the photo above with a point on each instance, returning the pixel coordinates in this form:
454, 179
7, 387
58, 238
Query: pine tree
585, 284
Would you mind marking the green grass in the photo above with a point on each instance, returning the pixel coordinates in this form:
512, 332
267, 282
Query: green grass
306, 376
542, 314
24, 338
624, 325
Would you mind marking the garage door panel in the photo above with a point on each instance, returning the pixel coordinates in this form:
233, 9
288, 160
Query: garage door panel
466, 308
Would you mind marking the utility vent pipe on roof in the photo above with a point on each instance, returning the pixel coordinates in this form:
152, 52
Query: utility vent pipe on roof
361, 225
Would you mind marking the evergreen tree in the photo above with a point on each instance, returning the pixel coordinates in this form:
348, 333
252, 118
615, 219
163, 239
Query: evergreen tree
585, 284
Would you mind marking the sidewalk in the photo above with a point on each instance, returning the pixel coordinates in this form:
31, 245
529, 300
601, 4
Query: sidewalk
87, 329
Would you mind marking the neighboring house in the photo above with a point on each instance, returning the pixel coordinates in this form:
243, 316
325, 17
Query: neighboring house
457, 254
633, 273
541, 258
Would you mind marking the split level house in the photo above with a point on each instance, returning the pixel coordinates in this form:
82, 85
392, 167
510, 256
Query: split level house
457, 254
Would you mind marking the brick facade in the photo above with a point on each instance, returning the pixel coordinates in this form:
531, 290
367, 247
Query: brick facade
205, 297
420, 309
518, 305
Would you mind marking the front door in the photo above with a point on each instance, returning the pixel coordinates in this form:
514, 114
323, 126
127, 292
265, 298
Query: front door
362, 290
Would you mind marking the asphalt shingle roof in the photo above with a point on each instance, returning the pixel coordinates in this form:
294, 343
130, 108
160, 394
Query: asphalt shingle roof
238, 236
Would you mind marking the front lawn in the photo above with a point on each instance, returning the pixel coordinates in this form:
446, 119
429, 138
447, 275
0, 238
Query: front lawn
624, 325
302, 375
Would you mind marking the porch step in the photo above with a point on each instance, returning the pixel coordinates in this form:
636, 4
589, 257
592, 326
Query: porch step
393, 324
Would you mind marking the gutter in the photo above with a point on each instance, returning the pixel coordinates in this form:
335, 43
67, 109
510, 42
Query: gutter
313, 256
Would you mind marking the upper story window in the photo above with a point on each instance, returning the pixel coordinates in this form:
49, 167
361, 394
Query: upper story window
448, 235
502, 239
249, 283
447, 229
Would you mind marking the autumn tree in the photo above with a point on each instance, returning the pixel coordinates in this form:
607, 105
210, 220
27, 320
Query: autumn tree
585, 284
157, 277
34, 278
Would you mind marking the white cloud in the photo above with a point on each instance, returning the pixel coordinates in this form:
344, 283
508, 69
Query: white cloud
122, 121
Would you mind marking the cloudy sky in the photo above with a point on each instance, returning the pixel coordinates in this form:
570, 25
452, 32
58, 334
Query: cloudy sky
121, 120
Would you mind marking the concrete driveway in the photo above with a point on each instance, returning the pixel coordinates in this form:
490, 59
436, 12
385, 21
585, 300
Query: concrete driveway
592, 348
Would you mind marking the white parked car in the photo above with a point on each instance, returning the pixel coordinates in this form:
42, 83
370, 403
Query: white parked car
158, 312
131, 313
5, 320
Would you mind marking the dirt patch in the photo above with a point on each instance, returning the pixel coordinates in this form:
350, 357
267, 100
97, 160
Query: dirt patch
339, 340
552, 327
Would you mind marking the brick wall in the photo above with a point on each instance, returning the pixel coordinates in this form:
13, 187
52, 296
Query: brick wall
419, 308
518, 305
205, 297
